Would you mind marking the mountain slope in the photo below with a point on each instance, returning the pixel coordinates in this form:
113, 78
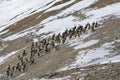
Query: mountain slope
29, 21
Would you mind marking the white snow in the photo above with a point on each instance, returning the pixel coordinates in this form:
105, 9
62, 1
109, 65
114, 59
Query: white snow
35, 40
77, 41
105, 11
58, 25
14, 10
62, 78
55, 25
19, 34
60, 6
52, 24
86, 44
15, 36
3, 58
93, 56
108, 10
75, 7
1, 33
2, 47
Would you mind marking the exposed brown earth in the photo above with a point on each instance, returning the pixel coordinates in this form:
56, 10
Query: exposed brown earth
92, 72
102, 3
47, 63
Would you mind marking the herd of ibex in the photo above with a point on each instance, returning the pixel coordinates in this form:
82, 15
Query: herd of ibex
46, 45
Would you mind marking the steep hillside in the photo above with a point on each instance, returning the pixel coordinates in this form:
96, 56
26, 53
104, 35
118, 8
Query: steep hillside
29, 50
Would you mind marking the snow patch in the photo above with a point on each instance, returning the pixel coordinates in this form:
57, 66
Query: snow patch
102, 12
86, 44
1, 33
59, 6
75, 7
3, 58
63, 78
13, 11
78, 40
93, 56
15, 36
55, 25
19, 34
2, 47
